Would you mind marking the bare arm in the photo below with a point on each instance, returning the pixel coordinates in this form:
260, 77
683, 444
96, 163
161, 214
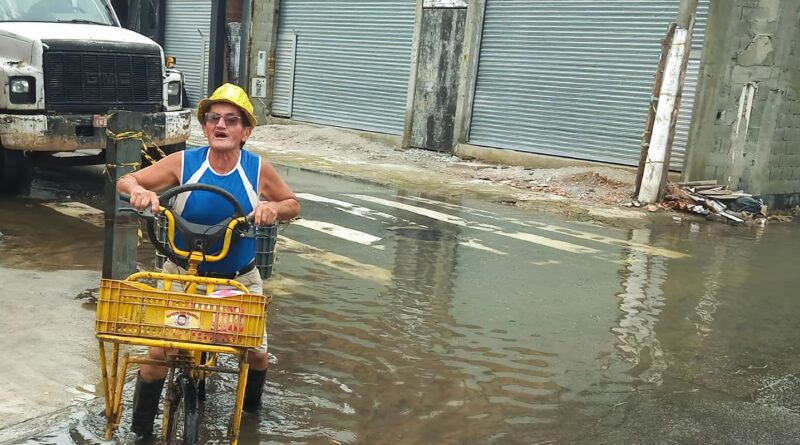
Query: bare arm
280, 204
143, 184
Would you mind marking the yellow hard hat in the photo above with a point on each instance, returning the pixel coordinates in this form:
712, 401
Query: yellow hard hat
228, 93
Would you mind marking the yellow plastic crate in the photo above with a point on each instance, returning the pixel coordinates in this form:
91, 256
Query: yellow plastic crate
135, 309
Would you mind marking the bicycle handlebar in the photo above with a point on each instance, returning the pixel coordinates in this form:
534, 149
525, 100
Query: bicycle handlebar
200, 237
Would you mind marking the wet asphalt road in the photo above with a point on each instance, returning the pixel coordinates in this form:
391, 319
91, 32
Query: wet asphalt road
401, 316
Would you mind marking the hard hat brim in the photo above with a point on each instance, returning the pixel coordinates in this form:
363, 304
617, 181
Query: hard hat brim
205, 104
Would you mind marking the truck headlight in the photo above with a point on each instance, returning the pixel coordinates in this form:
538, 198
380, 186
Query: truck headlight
23, 89
174, 93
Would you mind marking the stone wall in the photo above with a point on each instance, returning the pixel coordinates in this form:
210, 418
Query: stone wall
746, 129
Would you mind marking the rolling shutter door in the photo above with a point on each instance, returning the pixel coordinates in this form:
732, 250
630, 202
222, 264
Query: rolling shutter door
351, 62
187, 32
572, 78
283, 84
681, 141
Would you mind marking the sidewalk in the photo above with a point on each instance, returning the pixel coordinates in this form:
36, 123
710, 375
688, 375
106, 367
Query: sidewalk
594, 193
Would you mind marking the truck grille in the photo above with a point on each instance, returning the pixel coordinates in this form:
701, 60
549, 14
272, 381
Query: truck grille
99, 81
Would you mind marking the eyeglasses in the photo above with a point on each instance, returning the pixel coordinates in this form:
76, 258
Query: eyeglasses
231, 120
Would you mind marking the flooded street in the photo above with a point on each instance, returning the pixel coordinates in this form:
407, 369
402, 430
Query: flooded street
413, 318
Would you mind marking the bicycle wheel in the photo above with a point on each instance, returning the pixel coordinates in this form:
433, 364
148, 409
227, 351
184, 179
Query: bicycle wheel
183, 421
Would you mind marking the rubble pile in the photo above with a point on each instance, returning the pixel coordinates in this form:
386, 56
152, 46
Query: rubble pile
715, 201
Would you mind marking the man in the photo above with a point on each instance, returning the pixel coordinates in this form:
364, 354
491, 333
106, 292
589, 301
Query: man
228, 121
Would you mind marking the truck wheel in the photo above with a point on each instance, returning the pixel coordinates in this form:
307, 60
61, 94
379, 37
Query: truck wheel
14, 171
184, 97
167, 149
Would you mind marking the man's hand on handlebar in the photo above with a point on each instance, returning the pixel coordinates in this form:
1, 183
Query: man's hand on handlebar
264, 214
141, 198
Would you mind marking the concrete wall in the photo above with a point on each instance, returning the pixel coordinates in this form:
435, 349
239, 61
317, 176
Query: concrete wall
746, 127
438, 67
263, 36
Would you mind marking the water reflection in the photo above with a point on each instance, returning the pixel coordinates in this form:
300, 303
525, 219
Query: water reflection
708, 303
640, 304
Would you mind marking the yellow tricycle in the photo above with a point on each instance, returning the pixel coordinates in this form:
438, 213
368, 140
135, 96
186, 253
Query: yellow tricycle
205, 317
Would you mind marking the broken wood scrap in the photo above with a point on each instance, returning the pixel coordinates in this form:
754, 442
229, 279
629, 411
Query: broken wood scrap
715, 201
714, 191
722, 210
712, 182
723, 197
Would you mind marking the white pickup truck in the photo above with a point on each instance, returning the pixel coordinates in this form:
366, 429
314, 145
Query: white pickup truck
63, 65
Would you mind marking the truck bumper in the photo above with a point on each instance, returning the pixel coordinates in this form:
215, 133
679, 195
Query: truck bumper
70, 132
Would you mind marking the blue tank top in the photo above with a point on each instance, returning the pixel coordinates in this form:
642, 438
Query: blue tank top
208, 208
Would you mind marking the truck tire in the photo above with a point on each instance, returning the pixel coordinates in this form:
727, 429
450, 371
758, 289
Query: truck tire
167, 149
14, 171
184, 97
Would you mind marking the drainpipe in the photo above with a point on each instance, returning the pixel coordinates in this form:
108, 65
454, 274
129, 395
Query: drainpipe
657, 164
244, 48
216, 51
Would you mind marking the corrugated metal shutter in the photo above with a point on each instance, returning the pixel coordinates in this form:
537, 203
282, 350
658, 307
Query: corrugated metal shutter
283, 84
570, 77
188, 28
681, 142
352, 61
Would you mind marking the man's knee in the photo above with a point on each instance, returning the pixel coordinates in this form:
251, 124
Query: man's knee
151, 373
258, 361
156, 354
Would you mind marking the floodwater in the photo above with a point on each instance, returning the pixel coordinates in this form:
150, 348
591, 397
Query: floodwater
463, 322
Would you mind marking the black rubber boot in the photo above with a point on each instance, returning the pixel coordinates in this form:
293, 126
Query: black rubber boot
145, 406
253, 390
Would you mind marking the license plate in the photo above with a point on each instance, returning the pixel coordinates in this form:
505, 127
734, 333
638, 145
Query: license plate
99, 121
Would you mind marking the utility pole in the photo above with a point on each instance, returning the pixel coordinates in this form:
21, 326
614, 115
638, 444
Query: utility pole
656, 167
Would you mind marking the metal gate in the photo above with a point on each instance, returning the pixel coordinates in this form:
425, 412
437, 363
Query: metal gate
351, 62
573, 78
187, 33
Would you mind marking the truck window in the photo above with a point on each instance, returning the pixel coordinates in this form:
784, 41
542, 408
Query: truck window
77, 11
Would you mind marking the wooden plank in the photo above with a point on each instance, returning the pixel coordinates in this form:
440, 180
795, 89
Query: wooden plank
723, 197
731, 217
715, 191
700, 183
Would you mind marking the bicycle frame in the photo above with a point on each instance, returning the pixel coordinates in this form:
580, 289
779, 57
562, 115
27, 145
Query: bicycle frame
114, 375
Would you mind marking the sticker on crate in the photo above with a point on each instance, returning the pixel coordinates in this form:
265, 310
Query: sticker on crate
182, 319
223, 293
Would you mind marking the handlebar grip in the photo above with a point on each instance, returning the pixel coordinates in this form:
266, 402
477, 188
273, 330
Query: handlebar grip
146, 213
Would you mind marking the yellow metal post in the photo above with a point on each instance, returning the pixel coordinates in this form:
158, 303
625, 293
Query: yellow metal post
167, 405
237, 407
118, 393
114, 364
104, 372
109, 431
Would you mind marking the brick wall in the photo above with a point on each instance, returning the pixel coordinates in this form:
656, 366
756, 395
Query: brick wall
750, 42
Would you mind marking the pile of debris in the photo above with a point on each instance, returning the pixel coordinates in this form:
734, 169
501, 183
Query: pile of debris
715, 202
